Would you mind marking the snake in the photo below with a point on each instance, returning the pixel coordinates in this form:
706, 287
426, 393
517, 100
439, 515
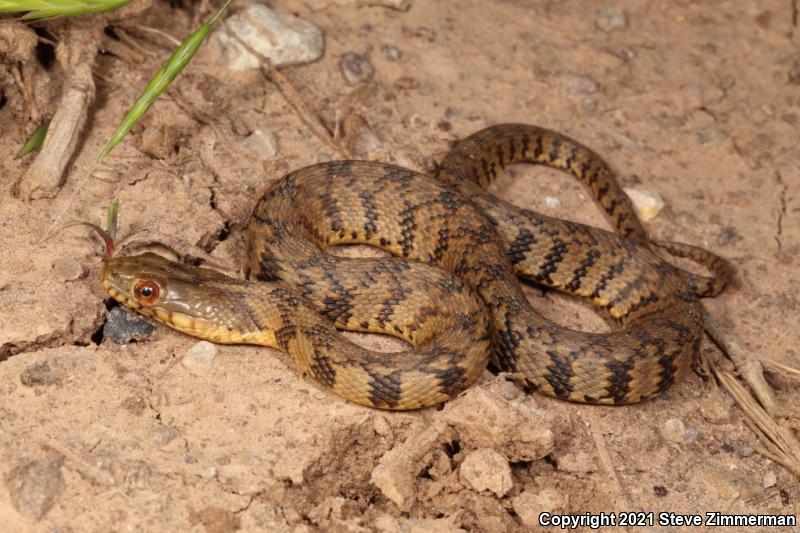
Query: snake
450, 284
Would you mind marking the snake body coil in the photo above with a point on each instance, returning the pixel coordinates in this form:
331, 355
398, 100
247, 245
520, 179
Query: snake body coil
451, 290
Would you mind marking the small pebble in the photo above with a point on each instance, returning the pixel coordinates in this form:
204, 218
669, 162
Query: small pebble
551, 202
163, 435
123, 326
610, 18
34, 487
673, 430
200, 357
134, 404
38, 373
727, 235
356, 68
716, 411
391, 52
262, 144
425, 87
711, 136
770, 479
485, 469
648, 204
579, 83
589, 104
278, 35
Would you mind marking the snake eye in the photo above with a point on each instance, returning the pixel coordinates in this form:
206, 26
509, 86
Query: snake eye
146, 292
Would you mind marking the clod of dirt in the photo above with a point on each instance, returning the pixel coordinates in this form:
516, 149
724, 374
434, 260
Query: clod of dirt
610, 18
124, 327
579, 463
199, 357
356, 68
395, 472
38, 373
35, 486
17, 40
261, 143
280, 36
159, 141
497, 416
715, 410
730, 485
389, 524
673, 430
528, 505
485, 469
216, 520
578, 83
484, 418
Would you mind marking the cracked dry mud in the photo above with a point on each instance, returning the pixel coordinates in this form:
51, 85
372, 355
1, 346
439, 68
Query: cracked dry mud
697, 101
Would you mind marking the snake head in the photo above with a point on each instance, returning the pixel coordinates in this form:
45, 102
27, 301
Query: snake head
193, 300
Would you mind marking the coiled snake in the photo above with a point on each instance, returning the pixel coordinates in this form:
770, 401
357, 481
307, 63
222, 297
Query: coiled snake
451, 289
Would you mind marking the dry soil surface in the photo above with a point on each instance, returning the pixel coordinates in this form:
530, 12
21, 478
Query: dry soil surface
697, 101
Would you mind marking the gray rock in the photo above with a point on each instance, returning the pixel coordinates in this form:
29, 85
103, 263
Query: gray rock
35, 486
356, 68
125, 326
280, 36
262, 144
610, 18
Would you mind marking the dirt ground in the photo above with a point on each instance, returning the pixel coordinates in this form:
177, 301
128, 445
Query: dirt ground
697, 101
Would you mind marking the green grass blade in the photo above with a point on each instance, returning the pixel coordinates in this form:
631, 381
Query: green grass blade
35, 141
109, 235
49, 9
176, 63
111, 219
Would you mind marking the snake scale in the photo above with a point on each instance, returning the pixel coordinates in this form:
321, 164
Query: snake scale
450, 288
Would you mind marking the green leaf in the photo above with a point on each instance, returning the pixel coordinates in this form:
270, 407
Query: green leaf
35, 141
50, 9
